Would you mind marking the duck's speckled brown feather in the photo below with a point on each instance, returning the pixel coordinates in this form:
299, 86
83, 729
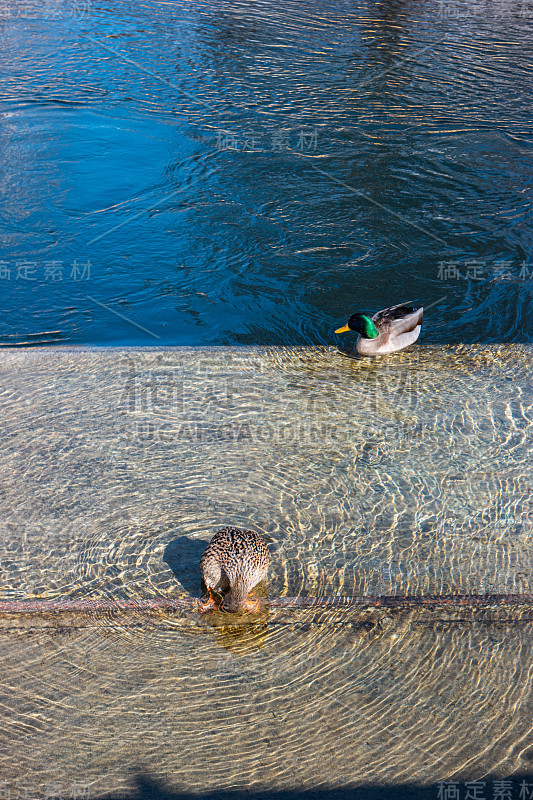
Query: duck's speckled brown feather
233, 563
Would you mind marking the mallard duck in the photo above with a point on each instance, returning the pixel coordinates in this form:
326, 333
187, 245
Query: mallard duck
387, 331
232, 564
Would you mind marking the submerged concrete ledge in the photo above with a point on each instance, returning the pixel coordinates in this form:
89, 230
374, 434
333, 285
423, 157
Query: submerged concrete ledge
188, 604
283, 603
364, 613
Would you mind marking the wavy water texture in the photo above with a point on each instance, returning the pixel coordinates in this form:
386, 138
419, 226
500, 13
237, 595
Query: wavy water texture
214, 173
405, 476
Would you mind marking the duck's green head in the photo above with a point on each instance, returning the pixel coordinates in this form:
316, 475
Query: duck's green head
361, 324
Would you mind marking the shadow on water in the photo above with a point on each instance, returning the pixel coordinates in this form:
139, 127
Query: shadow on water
148, 788
183, 557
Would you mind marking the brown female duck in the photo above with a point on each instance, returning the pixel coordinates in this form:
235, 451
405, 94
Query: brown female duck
233, 563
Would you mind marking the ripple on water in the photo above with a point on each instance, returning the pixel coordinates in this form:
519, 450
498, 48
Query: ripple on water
409, 477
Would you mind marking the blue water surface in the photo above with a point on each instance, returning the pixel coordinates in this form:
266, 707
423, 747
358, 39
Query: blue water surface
192, 173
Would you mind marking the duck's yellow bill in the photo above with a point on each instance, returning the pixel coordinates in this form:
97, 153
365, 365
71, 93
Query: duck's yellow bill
342, 330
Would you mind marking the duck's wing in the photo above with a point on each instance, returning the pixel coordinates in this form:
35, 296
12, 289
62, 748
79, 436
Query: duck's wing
399, 319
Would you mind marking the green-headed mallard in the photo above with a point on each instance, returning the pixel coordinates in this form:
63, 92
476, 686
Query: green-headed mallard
232, 564
387, 331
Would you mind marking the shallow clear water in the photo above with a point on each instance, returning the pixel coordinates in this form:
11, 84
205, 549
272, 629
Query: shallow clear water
407, 476
220, 173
